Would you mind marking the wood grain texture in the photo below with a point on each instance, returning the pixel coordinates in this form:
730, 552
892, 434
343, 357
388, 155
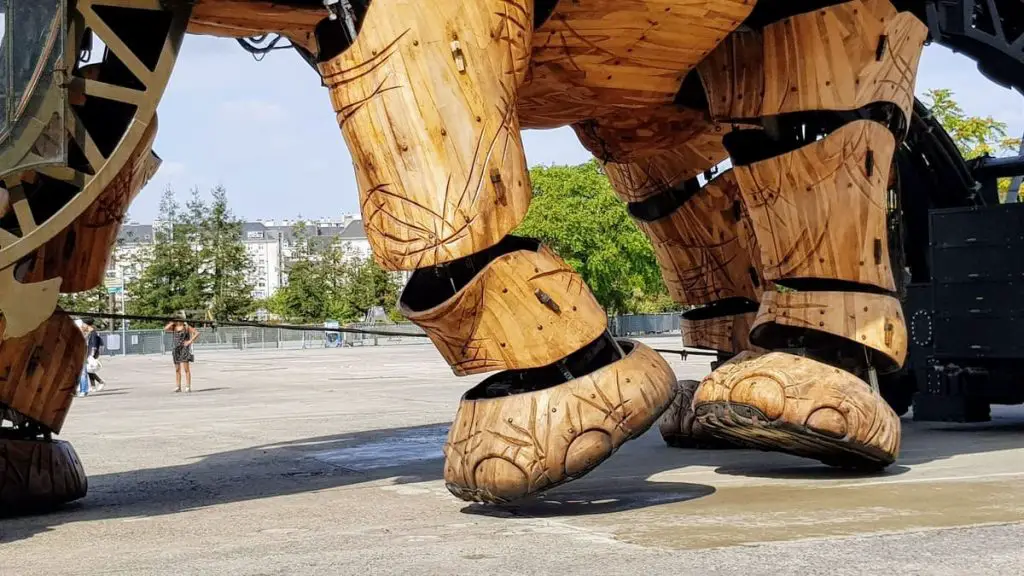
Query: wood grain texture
706, 249
678, 425
502, 449
646, 152
841, 57
724, 333
785, 403
246, 18
873, 320
39, 474
426, 99
79, 253
602, 58
499, 321
39, 371
820, 211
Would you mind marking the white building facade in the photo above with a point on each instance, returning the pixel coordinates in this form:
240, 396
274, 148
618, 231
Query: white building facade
270, 245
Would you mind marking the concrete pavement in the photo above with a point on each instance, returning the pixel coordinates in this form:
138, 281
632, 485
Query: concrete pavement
329, 462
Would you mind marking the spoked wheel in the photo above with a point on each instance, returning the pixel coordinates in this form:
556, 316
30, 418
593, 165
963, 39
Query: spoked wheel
106, 110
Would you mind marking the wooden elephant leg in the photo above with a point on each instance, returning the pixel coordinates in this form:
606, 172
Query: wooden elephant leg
426, 99
830, 91
701, 234
39, 373
557, 408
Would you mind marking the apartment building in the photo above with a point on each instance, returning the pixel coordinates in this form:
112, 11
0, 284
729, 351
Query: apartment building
271, 244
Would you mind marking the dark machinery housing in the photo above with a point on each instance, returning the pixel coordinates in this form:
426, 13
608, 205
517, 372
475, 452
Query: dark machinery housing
963, 295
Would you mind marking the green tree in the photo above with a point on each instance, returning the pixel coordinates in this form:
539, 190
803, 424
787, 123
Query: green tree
226, 268
974, 136
198, 262
327, 281
95, 300
170, 280
367, 285
575, 212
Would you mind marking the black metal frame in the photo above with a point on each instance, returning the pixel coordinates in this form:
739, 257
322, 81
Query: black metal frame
989, 31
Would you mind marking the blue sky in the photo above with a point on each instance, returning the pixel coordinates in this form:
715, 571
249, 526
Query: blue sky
266, 132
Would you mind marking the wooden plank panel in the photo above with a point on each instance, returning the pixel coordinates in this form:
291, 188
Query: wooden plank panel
820, 211
34, 369
523, 310
725, 333
426, 99
246, 18
600, 58
646, 152
838, 58
873, 320
706, 249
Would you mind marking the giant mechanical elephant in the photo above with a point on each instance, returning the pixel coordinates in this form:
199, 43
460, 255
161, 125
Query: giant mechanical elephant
783, 258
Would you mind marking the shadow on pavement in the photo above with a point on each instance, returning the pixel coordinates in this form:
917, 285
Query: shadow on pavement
627, 481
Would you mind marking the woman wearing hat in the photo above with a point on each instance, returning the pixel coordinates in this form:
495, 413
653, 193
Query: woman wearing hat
184, 336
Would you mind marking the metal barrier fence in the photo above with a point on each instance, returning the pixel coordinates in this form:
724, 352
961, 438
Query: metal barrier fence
154, 341
643, 324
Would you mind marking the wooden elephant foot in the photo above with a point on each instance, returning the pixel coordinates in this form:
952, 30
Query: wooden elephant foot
38, 474
679, 427
521, 432
785, 403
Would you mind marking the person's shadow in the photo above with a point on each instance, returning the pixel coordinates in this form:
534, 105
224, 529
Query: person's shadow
413, 454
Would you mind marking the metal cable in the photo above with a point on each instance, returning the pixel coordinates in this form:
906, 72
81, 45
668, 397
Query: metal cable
217, 323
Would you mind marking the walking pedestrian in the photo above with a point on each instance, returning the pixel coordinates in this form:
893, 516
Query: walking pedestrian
93, 343
83, 378
184, 336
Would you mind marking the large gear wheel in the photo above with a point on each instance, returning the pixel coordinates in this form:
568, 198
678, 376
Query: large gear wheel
105, 108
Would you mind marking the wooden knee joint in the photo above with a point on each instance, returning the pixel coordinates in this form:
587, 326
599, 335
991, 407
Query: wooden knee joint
426, 99
524, 308
842, 57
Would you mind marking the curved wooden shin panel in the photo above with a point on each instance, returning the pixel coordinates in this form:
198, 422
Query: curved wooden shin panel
426, 99
706, 249
599, 58
820, 211
647, 152
725, 333
79, 253
39, 371
501, 449
874, 320
838, 58
524, 310
786, 403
